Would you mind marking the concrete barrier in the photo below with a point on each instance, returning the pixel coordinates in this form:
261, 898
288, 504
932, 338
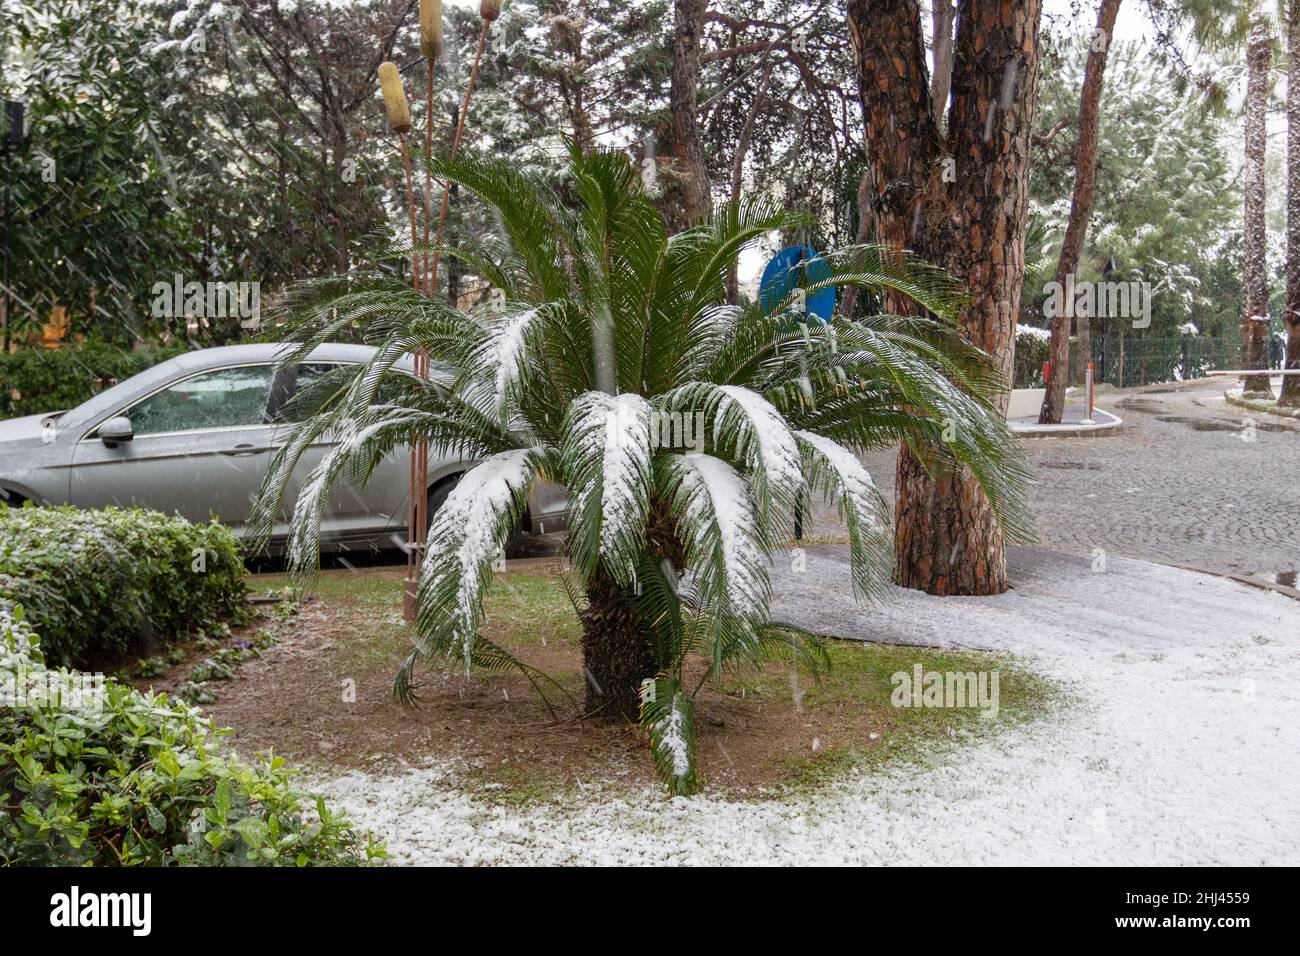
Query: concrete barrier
1025, 402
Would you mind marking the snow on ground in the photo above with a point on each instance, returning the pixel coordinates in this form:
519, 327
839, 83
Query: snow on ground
1179, 744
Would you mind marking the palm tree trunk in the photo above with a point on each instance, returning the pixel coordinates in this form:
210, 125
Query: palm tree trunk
1085, 182
1254, 280
616, 653
1291, 383
946, 538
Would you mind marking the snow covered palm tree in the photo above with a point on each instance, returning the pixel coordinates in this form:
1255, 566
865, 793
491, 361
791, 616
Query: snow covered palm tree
607, 340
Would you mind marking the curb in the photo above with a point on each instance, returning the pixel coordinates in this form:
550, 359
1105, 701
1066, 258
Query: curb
1245, 579
1257, 583
1098, 430
1260, 406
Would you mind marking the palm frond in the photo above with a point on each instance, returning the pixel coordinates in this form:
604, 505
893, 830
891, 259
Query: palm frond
466, 536
746, 428
606, 458
793, 643
724, 546
668, 716
843, 477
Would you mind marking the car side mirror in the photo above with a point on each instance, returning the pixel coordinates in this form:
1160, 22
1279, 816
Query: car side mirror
116, 430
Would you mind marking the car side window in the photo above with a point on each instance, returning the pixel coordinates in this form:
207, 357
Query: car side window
224, 398
302, 390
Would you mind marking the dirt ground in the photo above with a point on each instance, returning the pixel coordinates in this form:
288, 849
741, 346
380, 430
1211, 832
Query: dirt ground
322, 697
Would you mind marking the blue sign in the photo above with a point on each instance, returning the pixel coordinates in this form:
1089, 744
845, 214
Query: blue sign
797, 267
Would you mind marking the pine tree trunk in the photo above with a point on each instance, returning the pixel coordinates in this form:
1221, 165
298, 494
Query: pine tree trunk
1076, 230
946, 538
686, 199
1254, 280
1291, 383
616, 653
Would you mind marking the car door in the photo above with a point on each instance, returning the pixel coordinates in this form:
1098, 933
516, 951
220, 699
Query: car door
351, 509
201, 447
546, 507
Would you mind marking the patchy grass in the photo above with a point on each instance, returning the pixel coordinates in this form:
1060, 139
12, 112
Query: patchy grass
860, 680
323, 696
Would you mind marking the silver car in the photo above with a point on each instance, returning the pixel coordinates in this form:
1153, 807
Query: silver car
196, 435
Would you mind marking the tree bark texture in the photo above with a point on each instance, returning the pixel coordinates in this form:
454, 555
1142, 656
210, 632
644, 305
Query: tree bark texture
1076, 229
685, 199
946, 538
1254, 279
616, 652
1291, 383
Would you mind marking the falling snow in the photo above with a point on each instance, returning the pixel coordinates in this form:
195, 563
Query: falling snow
1173, 744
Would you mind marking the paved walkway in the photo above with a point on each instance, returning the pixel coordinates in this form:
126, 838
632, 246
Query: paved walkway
1178, 484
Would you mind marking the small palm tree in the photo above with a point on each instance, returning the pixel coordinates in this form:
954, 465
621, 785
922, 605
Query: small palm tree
607, 337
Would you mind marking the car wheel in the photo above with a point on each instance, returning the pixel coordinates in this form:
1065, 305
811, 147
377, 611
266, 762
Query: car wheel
11, 498
437, 495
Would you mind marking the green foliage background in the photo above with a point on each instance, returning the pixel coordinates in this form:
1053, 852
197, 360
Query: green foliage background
142, 781
35, 381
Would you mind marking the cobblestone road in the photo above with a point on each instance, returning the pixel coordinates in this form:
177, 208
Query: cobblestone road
1179, 484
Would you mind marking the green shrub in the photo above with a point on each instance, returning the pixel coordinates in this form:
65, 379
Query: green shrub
125, 779
100, 586
1031, 352
33, 381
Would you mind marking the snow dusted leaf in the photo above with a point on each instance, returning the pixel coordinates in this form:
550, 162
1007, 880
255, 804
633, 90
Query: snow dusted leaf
838, 471
606, 454
668, 716
466, 535
747, 425
498, 364
716, 519
354, 440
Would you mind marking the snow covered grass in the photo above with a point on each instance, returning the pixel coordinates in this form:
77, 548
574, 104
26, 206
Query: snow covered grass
1180, 746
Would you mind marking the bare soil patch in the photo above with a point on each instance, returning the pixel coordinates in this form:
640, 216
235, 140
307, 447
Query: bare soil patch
323, 698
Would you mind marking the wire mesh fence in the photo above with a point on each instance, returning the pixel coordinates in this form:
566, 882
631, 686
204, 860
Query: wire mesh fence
1127, 361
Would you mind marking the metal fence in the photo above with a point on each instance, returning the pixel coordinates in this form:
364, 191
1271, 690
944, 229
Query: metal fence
1126, 361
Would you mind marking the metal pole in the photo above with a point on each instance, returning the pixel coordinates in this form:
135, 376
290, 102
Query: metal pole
10, 113
7, 298
1087, 385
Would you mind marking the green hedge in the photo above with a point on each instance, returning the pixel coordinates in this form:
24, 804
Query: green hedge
33, 381
1031, 352
103, 585
120, 778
